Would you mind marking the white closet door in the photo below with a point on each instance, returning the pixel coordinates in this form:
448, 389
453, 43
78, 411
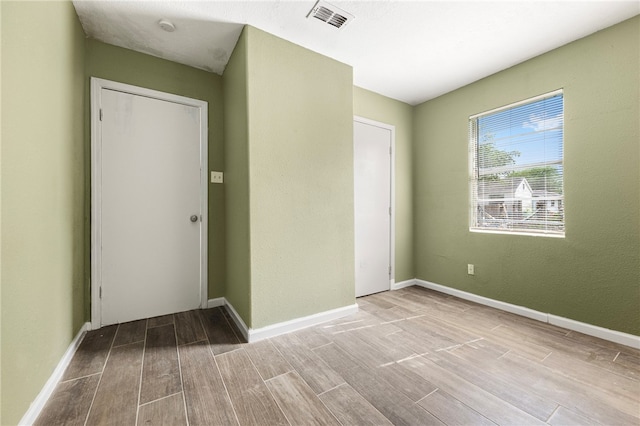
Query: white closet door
372, 188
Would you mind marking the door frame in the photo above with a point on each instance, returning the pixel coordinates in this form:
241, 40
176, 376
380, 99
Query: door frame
392, 183
97, 84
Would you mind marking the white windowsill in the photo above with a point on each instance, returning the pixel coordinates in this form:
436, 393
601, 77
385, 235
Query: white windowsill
528, 234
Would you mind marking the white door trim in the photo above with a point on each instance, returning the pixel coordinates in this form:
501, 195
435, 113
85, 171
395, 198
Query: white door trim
392, 217
97, 84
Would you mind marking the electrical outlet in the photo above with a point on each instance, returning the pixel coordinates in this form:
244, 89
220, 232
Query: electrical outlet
471, 269
216, 177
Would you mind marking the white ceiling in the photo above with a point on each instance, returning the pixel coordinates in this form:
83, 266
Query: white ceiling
412, 51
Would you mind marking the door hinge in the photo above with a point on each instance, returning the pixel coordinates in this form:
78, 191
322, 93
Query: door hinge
100, 292
100, 114
389, 270
389, 150
389, 211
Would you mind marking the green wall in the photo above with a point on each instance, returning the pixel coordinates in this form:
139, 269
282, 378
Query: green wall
288, 247
236, 181
126, 66
43, 194
376, 107
289, 113
592, 275
0, 220
301, 180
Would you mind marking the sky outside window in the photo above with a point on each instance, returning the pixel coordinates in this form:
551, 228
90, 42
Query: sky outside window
534, 130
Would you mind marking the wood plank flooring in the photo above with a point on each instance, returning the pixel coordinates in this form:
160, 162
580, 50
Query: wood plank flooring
408, 357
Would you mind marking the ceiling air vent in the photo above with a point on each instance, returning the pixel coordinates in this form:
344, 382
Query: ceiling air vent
330, 14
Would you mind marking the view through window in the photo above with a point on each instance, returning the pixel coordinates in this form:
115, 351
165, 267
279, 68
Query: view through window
516, 158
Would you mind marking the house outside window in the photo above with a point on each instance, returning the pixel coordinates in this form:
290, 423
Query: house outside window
516, 168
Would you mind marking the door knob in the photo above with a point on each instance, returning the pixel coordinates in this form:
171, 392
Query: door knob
194, 218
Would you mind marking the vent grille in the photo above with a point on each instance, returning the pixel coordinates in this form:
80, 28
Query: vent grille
330, 14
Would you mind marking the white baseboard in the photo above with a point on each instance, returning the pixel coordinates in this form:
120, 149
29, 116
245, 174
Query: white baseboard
47, 390
403, 284
581, 327
503, 306
254, 334
595, 331
237, 319
214, 303
300, 323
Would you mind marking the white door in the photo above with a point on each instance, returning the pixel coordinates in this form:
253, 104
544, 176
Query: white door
372, 197
150, 207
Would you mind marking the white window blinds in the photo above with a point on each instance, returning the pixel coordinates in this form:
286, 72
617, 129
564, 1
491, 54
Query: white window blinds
516, 155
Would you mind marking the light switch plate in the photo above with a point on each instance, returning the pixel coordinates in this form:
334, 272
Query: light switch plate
217, 177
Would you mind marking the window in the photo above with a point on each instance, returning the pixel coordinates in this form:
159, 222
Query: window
516, 155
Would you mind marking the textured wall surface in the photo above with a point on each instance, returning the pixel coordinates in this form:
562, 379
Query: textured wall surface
371, 105
301, 180
42, 195
236, 151
0, 220
592, 275
126, 66
288, 162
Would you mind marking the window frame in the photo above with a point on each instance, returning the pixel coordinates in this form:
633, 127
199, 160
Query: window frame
474, 169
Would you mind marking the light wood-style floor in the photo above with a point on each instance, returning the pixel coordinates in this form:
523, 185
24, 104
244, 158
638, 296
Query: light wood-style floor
411, 356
